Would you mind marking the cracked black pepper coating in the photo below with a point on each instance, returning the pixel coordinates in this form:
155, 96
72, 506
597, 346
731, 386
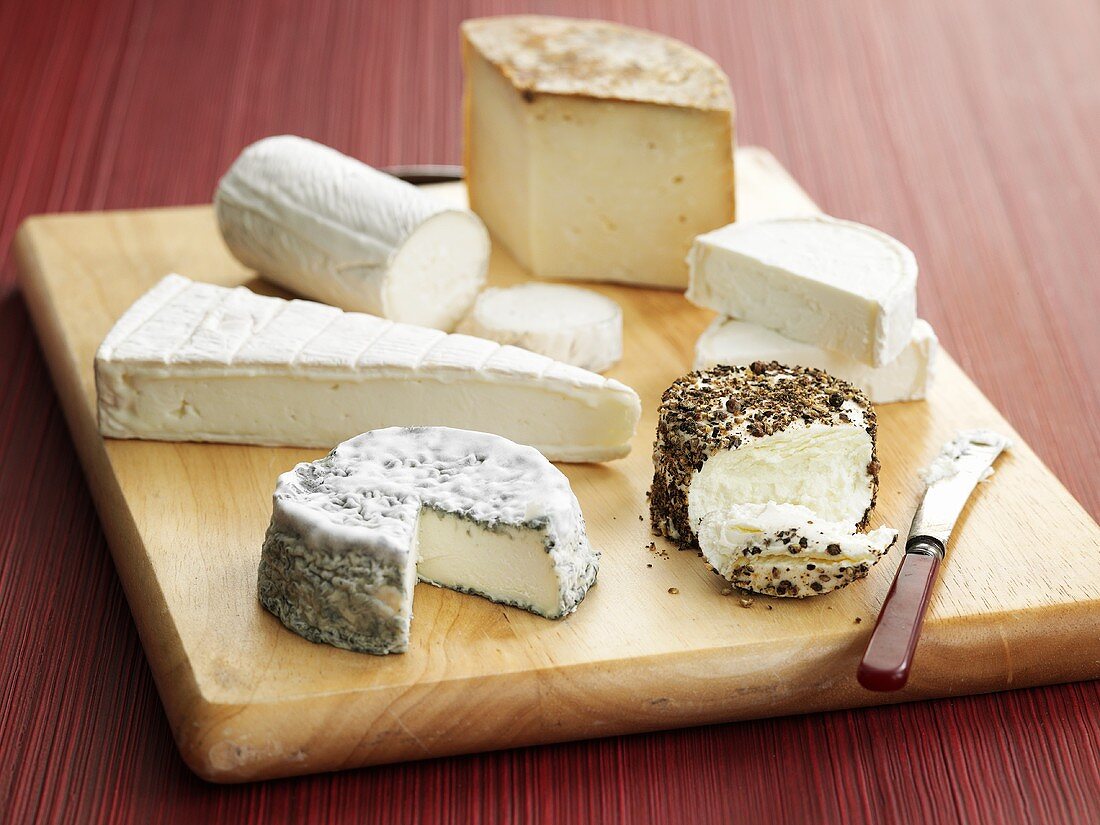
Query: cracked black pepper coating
710, 411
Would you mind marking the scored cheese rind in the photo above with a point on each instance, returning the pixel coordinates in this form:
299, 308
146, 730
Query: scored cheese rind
787, 550
759, 433
470, 511
595, 151
329, 227
197, 362
906, 378
835, 284
566, 323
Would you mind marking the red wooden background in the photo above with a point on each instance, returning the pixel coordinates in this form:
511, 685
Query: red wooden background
969, 128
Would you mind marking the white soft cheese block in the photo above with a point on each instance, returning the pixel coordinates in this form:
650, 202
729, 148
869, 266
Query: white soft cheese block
198, 362
331, 228
351, 533
759, 433
906, 378
835, 284
566, 323
788, 550
595, 151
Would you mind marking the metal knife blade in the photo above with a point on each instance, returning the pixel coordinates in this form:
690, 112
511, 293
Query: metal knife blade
951, 478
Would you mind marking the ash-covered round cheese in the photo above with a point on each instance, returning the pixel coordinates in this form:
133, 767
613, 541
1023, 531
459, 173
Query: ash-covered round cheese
352, 532
745, 435
566, 323
786, 550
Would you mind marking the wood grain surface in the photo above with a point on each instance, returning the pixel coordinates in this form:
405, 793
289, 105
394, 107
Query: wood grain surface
655, 645
967, 129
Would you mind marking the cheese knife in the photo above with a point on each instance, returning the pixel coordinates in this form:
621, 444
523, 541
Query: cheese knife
952, 477
423, 173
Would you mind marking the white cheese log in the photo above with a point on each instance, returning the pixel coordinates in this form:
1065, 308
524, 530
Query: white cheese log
566, 323
331, 228
906, 378
835, 284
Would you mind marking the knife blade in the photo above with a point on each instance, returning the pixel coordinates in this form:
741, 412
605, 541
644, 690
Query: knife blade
963, 462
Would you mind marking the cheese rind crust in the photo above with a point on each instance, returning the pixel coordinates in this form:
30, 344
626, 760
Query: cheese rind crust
726, 408
599, 59
338, 561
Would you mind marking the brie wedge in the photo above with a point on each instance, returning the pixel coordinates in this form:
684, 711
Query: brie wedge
328, 227
787, 550
566, 323
595, 151
906, 378
351, 533
838, 285
758, 434
197, 362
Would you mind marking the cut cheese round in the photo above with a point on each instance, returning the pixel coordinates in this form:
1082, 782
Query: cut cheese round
758, 434
566, 323
331, 228
786, 550
351, 534
835, 284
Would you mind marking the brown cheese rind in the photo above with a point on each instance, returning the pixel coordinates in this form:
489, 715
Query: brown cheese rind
598, 59
711, 411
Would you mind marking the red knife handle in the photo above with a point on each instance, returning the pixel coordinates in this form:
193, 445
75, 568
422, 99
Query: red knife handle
889, 654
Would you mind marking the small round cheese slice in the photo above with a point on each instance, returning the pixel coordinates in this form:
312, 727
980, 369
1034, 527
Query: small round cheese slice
787, 550
351, 534
566, 323
331, 228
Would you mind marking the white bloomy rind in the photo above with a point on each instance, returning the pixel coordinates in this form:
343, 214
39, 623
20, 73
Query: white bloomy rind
566, 323
788, 550
197, 362
331, 228
835, 284
351, 533
906, 378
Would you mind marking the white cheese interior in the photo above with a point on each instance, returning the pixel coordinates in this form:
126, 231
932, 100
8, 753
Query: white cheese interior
906, 378
300, 410
823, 468
506, 564
436, 274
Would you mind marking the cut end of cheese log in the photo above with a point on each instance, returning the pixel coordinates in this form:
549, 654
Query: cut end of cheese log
757, 434
351, 533
838, 285
197, 362
566, 323
788, 550
906, 378
584, 166
331, 228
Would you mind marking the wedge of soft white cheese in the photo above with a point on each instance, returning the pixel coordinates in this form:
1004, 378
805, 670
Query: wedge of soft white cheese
595, 151
351, 533
906, 378
198, 362
765, 432
566, 323
329, 227
838, 285
787, 549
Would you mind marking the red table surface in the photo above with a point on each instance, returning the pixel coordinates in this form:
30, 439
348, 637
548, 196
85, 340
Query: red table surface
968, 128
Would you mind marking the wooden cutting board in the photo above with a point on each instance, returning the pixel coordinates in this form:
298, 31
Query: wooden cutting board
1018, 601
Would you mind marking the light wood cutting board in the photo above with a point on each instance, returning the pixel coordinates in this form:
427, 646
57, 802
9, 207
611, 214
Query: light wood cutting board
1018, 601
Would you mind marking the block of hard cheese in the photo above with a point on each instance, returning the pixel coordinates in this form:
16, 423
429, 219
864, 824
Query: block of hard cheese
906, 378
595, 151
